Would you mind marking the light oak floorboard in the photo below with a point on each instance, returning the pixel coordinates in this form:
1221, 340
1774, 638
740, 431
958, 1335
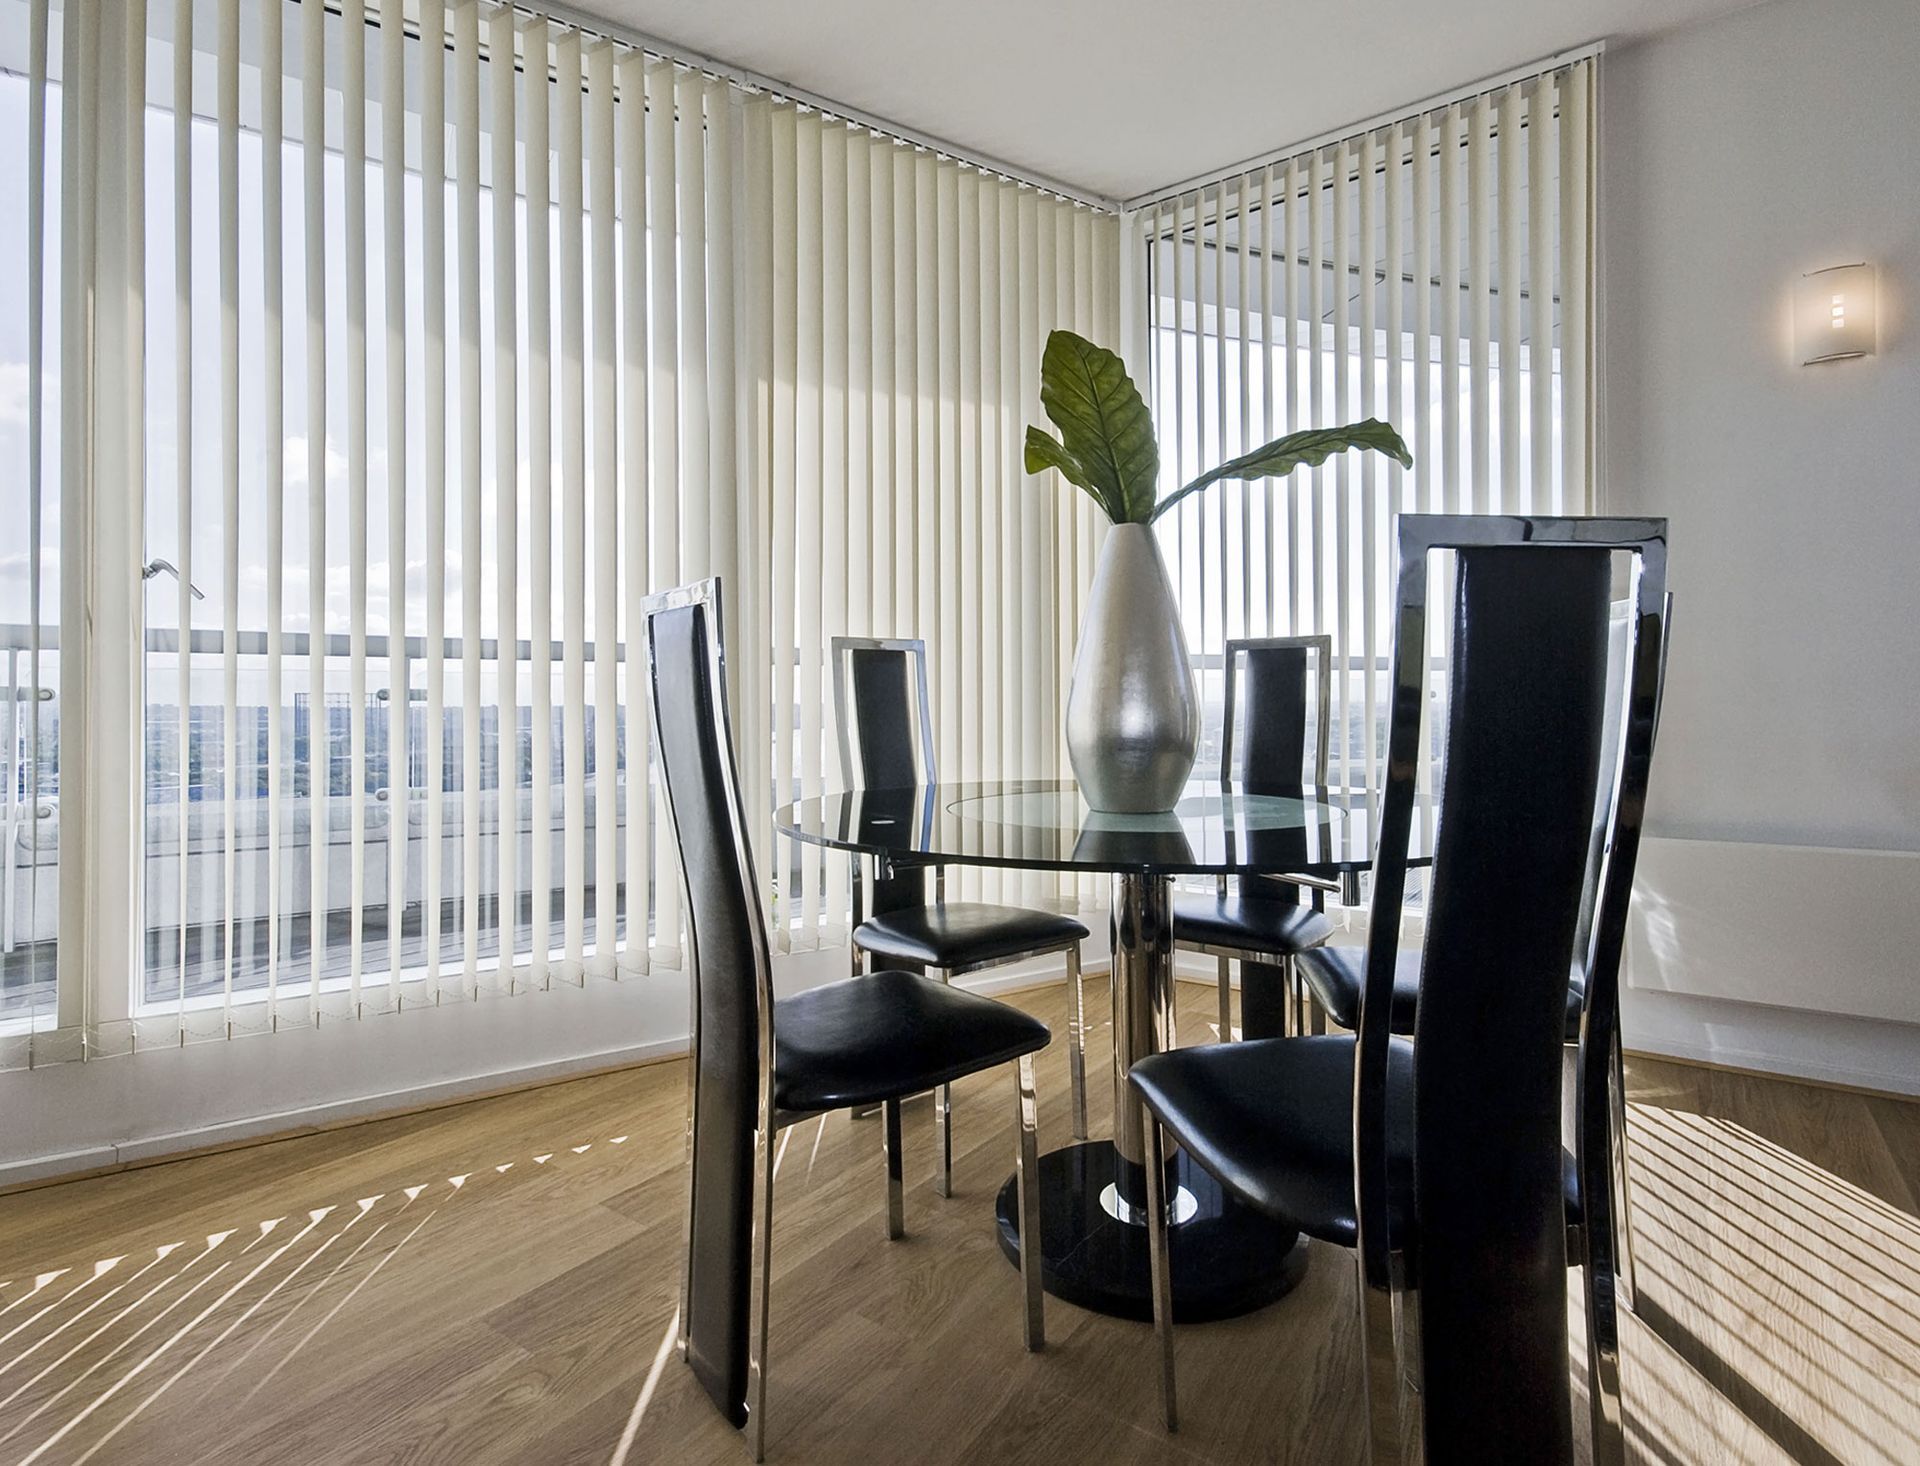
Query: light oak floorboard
494, 1282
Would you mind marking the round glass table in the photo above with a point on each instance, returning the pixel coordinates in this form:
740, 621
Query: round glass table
1227, 1259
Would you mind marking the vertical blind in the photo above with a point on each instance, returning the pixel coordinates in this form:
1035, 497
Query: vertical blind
451, 332
1438, 273
893, 307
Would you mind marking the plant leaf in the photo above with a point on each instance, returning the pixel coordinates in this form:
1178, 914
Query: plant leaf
1103, 424
1044, 451
1283, 455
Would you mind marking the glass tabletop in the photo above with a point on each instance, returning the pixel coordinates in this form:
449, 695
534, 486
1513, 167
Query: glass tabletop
1045, 824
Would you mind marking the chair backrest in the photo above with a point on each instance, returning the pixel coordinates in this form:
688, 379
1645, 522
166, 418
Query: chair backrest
880, 705
732, 994
1520, 793
880, 708
1272, 748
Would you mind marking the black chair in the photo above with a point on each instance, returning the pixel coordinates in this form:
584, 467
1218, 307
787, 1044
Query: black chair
1265, 921
761, 1063
1334, 975
886, 742
1438, 1157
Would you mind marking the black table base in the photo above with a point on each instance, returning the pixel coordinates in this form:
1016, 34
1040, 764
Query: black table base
1227, 1258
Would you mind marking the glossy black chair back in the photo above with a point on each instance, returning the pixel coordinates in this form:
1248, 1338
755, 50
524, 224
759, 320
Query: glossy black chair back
1265, 713
880, 704
1520, 794
732, 998
881, 708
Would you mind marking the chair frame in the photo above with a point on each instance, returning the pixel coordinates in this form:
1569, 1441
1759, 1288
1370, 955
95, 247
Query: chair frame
705, 596
1388, 1308
1302, 1013
839, 650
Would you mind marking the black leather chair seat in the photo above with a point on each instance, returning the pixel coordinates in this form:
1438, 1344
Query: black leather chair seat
1273, 1119
1249, 923
887, 1034
962, 933
1334, 974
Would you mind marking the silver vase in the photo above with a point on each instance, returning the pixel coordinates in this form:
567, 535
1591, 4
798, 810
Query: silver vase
1133, 720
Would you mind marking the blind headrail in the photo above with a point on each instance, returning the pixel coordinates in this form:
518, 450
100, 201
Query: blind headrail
1348, 131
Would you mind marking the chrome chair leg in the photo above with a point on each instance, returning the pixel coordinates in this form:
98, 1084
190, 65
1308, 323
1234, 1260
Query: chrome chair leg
1226, 1000
1605, 1410
1608, 1282
1077, 1036
761, 1285
1315, 1016
1622, 1217
1158, 1262
943, 1129
1380, 1364
1027, 1198
890, 1144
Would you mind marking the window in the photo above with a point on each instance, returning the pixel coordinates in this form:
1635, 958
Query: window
1433, 272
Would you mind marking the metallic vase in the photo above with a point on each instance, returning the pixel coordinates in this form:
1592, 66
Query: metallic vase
1133, 719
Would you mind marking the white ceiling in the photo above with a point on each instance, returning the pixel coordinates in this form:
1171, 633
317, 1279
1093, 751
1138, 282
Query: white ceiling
1119, 97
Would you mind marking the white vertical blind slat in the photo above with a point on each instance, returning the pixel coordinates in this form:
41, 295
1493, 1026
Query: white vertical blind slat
992, 426
353, 113
1543, 493
690, 211
228, 108
809, 488
862, 561
1397, 497
1576, 287
1032, 551
783, 142
505, 407
1514, 493
605, 513
183, 445
1316, 384
393, 175
1341, 281
664, 435
727, 513
273, 469
433, 229
1453, 483
634, 500
319, 740
1369, 467
1480, 302
569, 152
886, 488
835, 488
537, 48
466, 78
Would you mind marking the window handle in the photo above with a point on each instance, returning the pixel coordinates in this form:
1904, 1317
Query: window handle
156, 567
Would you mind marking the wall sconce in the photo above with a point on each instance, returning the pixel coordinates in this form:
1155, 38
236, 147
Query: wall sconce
1833, 314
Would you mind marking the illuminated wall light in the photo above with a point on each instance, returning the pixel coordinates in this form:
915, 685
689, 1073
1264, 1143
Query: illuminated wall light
1834, 314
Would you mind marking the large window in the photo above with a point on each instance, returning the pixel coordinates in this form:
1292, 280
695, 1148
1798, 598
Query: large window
1434, 273
428, 338
30, 510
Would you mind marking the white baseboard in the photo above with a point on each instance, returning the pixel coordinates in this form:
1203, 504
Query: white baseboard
321, 1116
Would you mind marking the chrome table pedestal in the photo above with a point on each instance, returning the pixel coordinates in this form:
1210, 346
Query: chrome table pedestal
1227, 1259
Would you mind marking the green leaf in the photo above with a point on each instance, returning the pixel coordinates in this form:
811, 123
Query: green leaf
1104, 425
1312, 447
1044, 451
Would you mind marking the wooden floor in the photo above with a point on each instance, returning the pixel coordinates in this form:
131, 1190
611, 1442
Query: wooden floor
496, 1282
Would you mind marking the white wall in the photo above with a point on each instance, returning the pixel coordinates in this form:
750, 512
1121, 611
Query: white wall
1736, 155
118, 1110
